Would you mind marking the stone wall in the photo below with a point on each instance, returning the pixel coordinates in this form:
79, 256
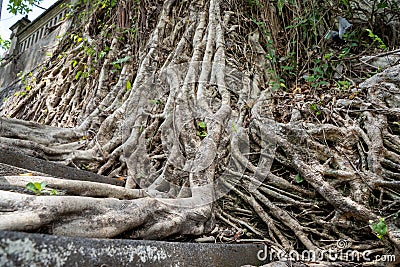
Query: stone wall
31, 43
41, 25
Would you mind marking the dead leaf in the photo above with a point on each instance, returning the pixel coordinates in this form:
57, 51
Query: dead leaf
26, 174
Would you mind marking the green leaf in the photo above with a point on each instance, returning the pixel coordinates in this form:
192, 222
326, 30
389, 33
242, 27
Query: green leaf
128, 85
287, 68
43, 185
313, 107
53, 192
31, 187
74, 63
5, 44
382, 4
234, 127
78, 74
117, 66
121, 60
36, 187
102, 54
299, 179
85, 74
155, 101
379, 228
201, 134
280, 5
202, 125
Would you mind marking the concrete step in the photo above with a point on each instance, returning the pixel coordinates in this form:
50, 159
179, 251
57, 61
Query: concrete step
6, 169
14, 163
26, 249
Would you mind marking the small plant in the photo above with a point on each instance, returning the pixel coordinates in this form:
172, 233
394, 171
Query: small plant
21, 7
379, 228
155, 102
314, 107
36, 187
318, 77
85, 167
83, 74
234, 128
128, 86
74, 63
76, 38
78, 75
117, 64
202, 129
102, 54
277, 84
377, 39
298, 178
90, 51
5, 44
328, 56
344, 84
26, 79
256, 3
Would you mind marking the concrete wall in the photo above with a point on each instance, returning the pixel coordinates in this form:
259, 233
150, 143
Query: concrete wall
40, 26
31, 44
27, 61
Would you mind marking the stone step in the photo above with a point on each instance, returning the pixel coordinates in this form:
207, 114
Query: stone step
14, 163
7, 170
26, 249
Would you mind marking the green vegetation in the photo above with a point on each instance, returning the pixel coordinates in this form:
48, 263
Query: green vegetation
202, 129
4, 44
376, 39
314, 107
26, 79
379, 228
298, 51
21, 6
117, 64
155, 101
299, 179
36, 187
128, 86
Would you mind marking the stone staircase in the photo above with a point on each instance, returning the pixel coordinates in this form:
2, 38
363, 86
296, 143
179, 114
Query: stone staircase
26, 249
15, 163
30, 249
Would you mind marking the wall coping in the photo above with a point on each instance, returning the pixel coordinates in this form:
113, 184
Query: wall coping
39, 18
